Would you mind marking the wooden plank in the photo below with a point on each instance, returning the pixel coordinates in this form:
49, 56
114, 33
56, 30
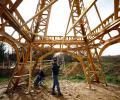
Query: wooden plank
16, 4
81, 16
19, 76
116, 8
45, 8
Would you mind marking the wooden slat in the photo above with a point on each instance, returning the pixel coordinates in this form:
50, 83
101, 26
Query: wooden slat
21, 76
16, 4
116, 8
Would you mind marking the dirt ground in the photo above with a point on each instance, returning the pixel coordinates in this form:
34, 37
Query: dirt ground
70, 91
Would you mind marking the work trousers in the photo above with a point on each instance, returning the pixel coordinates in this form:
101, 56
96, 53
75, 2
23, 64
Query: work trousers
55, 84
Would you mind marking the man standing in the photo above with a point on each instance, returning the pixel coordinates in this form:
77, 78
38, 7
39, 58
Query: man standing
55, 72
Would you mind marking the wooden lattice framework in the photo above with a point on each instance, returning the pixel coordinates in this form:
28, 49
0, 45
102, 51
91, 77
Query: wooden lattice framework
86, 42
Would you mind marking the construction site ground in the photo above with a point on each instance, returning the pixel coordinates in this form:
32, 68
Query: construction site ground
70, 90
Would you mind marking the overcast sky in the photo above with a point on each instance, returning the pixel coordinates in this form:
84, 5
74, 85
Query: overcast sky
60, 13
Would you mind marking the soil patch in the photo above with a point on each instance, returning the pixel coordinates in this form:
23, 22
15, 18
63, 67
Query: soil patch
70, 91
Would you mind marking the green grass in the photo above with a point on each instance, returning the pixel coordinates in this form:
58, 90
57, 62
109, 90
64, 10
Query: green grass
78, 78
3, 79
112, 79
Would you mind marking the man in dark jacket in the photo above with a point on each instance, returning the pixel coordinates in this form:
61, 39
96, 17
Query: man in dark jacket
39, 78
55, 72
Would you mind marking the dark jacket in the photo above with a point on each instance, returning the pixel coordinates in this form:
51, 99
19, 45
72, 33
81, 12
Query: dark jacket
55, 69
41, 74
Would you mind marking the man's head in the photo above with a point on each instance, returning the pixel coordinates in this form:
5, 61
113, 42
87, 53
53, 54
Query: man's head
55, 60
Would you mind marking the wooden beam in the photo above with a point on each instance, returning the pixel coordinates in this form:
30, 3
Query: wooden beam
7, 40
98, 14
45, 8
16, 4
71, 11
81, 16
4, 2
116, 8
21, 76
2, 32
113, 25
30, 70
59, 42
22, 68
1, 11
14, 23
19, 16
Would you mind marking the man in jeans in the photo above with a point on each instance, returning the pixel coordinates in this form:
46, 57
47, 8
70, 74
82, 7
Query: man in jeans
55, 72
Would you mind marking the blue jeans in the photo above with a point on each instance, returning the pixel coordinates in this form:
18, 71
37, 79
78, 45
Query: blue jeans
55, 84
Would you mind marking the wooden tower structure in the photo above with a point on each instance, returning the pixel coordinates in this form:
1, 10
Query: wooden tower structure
85, 42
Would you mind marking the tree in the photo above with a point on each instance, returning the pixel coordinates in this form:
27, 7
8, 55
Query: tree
2, 51
12, 56
69, 58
